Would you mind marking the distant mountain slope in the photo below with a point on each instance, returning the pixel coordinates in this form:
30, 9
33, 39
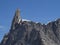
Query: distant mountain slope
31, 33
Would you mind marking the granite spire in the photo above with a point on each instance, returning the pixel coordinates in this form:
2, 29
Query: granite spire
16, 19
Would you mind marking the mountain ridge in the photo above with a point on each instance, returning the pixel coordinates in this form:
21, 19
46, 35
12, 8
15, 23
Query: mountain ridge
32, 33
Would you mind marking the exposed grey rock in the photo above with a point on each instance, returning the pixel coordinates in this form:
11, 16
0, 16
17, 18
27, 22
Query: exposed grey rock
31, 33
16, 19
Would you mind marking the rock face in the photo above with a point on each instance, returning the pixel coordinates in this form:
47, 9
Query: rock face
31, 33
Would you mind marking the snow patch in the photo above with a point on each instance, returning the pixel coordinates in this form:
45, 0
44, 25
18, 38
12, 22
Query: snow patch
25, 20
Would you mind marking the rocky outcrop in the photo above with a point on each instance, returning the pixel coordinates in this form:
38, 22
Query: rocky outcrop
31, 33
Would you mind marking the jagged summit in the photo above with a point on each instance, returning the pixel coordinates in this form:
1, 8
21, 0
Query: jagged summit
17, 16
16, 19
26, 32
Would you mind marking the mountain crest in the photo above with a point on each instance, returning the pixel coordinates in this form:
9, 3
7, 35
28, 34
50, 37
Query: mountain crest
16, 19
26, 32
17, 16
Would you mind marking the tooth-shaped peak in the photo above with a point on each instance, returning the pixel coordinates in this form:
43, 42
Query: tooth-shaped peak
17, 15
16, 19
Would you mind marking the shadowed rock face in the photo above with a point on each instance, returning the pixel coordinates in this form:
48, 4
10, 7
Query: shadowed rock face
31, 33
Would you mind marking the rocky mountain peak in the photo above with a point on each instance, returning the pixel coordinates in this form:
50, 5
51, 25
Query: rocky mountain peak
31, 33
16, 19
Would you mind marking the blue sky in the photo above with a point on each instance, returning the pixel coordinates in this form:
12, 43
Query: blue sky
36, 10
